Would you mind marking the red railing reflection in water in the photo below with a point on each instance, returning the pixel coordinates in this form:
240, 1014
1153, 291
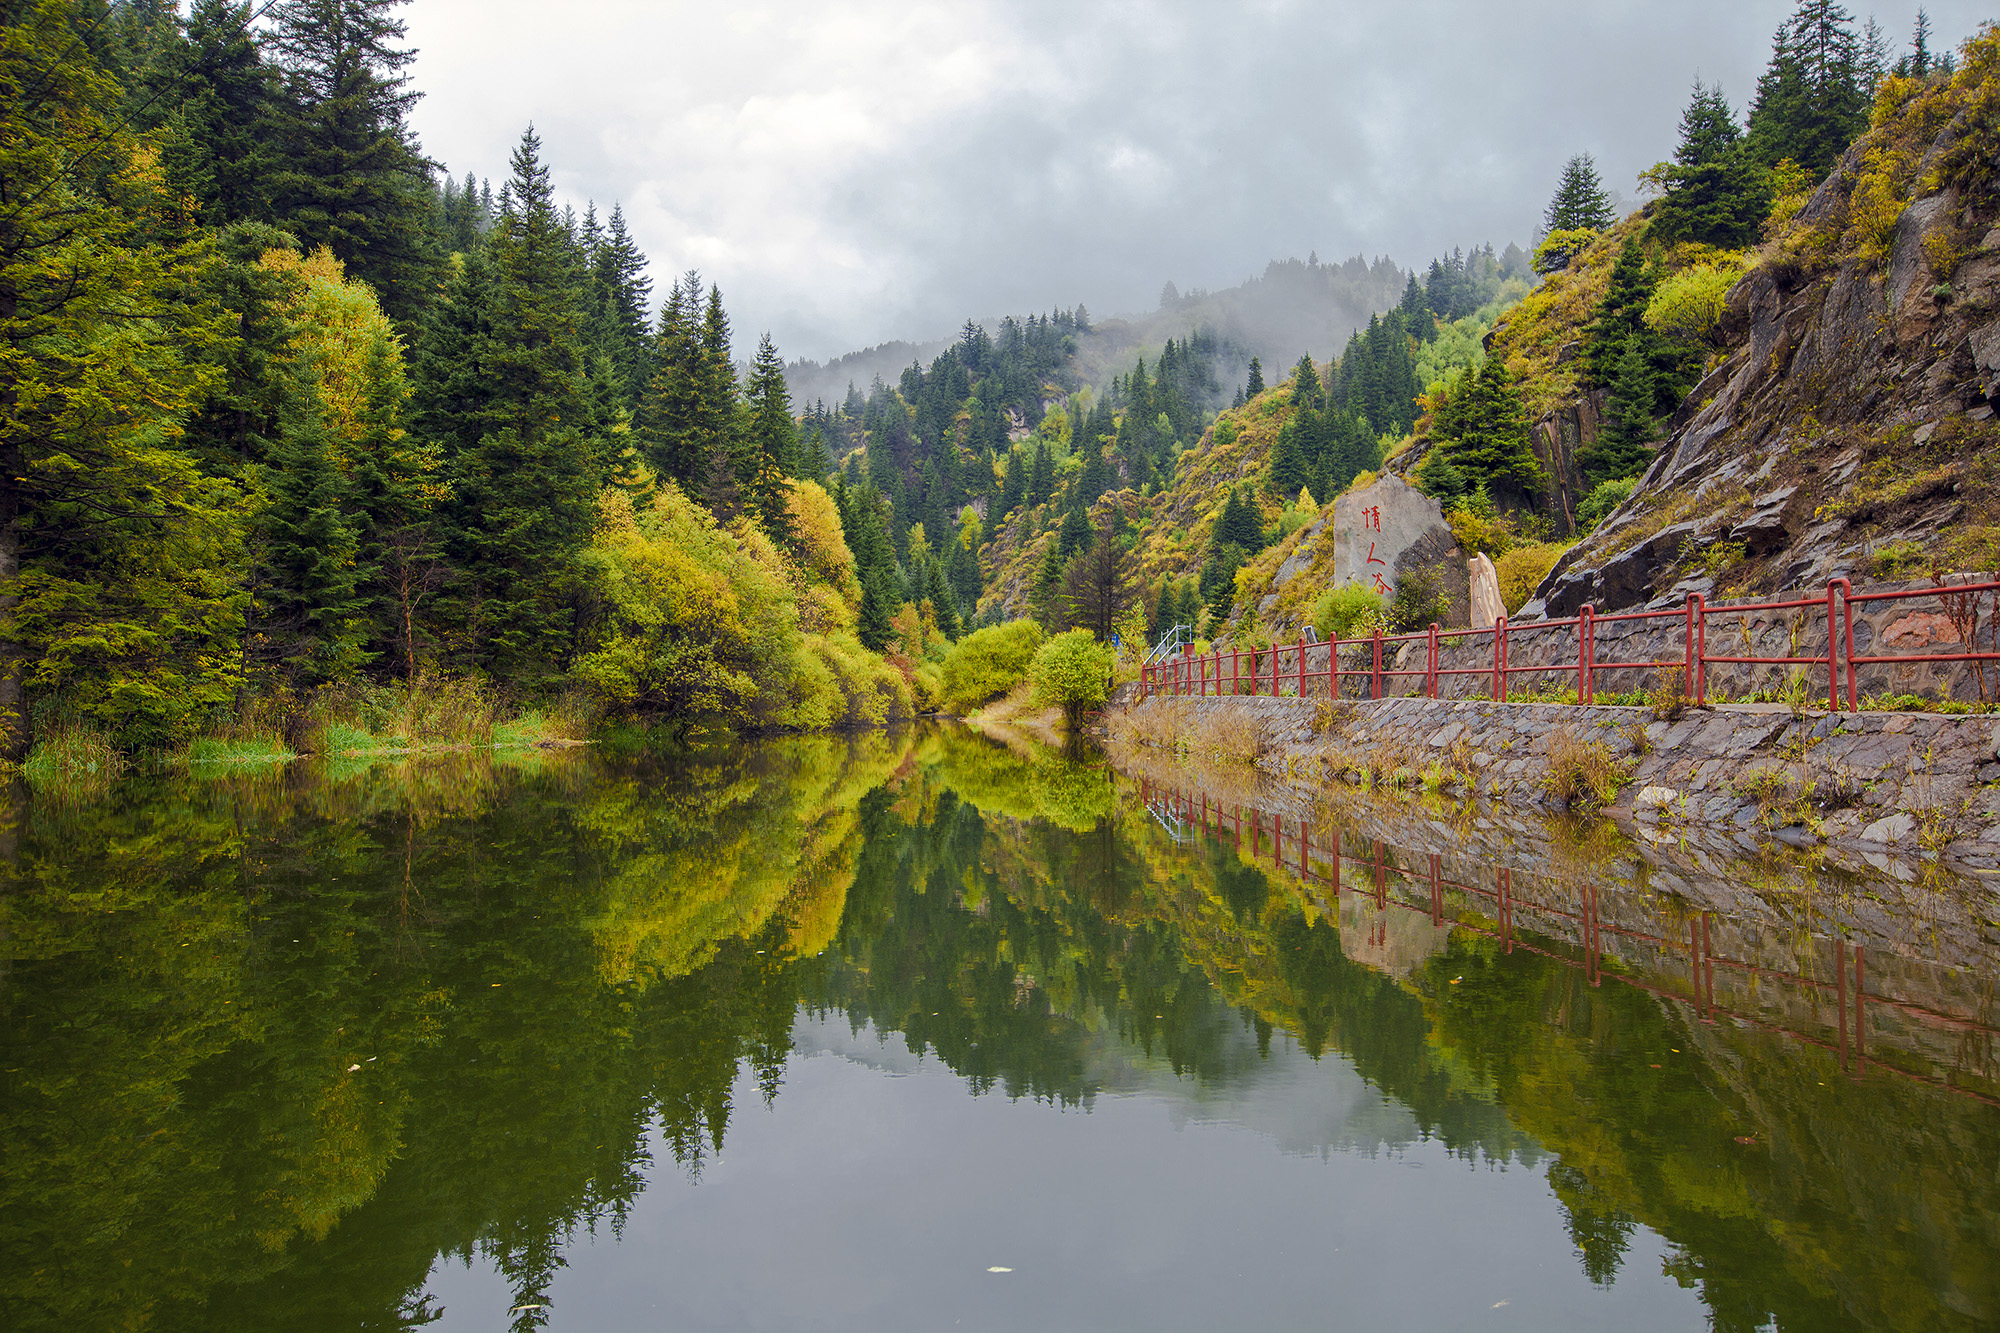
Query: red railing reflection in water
1198, 676
1850, 997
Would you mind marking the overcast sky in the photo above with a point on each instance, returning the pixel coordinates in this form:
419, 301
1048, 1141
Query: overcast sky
854, 171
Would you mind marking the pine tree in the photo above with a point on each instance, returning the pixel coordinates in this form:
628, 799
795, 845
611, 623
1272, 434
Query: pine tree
1811, 102
1715, 193
1620, 317
1488, 440
773, 439
1580, 202
1621, 447
214, 98
1042, 480
1289, 471
1305, 383
525, 491
1256, 383
621, 290
1238, 525
1416, 310
671, 433
938, 591
1097, 587
306, 617
118, 553
1014, 489
351, 176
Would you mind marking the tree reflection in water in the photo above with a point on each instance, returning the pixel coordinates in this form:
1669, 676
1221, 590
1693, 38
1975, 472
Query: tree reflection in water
274, 1045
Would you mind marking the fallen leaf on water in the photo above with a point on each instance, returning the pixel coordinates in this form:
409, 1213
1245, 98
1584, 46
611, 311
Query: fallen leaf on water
352, 1068
1746, 1138
517, 1309
999, 1270
1498, 1304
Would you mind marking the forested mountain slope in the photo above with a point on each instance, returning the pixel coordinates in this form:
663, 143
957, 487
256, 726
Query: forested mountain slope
1845, 423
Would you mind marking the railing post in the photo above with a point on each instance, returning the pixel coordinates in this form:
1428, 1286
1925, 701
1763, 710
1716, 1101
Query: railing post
1431, 664
1847, 643
1500, 660
1375, 684
1583, 647
1301, 664
1700, 604
1832, 654
1236, 670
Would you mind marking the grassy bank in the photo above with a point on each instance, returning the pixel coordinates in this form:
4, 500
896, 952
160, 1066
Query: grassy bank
346, 726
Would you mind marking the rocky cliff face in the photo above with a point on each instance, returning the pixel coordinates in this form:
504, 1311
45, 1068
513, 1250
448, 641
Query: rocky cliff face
1846, 426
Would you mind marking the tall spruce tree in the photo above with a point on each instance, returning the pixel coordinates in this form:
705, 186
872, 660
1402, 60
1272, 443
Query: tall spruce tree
1621, 449
670, 424
351, 177
772, 437
1812, 101
1486, 436
214, 98
307, 618
1716, 194
1580, 202
525, 492
1255, 384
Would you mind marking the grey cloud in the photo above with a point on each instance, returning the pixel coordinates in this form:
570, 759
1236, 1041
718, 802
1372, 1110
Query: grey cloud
1060, 153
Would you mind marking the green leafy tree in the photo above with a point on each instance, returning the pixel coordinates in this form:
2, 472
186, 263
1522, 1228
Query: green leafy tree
1072, 672
118, 550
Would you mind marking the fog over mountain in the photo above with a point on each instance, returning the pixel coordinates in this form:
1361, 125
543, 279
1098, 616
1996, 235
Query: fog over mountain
862, 171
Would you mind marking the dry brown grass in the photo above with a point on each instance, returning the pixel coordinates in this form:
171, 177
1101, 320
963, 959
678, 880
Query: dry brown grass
1582, 774
1221, 732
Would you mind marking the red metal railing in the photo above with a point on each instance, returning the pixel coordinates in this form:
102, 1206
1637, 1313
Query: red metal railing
1373, 659
1323, 861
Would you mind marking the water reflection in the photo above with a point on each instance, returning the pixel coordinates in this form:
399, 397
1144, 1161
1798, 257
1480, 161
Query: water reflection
275, 1046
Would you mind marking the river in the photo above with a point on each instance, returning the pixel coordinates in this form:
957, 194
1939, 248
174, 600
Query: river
924, 1031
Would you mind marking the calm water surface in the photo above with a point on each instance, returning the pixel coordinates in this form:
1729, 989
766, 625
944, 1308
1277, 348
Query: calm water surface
918, 1032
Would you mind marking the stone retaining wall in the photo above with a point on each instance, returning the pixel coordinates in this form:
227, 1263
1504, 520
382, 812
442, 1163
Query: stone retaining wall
1891, 790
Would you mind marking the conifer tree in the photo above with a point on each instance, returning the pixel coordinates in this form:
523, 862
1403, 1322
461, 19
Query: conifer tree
1488, 439
621, 291
118, 551
1811, 102
938, 591
670, 425
1715, 193
1620, 317
1621, 447
351, 176
1238, 525
306, 616
1014, 488
1256, 382
1042, 480
214, 97
1288, 465
1580, 202
773, 435
525, 492
1305, 383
